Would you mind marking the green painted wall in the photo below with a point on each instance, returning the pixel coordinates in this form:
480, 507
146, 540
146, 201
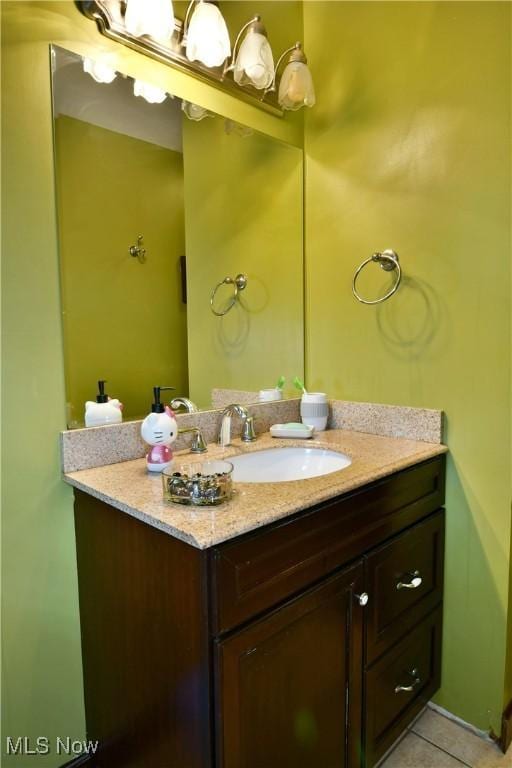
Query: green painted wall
409, 147
123, 321
243, 213
41, 685
42, 671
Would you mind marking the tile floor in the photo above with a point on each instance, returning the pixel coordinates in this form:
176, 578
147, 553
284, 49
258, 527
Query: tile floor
434, 741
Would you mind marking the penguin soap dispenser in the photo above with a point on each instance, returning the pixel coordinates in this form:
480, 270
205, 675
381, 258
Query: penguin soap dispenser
104, 410
159, 430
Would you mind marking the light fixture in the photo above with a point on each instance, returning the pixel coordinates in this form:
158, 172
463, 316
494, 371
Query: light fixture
205, 35
154, 18
233, 128
151, 93
194, 111
254, 62
200, 46
99, 71
296, 88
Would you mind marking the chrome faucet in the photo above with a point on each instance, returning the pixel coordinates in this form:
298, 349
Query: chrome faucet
184, 402
198, 444
248, 433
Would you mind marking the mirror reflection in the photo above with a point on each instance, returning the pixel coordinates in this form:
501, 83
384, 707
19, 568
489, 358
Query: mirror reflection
180, 246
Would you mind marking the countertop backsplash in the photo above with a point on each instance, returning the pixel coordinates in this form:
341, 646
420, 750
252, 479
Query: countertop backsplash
113, 443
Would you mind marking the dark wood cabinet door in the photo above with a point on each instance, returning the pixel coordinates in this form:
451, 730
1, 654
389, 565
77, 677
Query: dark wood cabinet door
145, 648
289, 686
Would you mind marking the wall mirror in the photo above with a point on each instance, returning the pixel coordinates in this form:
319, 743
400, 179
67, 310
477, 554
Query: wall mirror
158, 201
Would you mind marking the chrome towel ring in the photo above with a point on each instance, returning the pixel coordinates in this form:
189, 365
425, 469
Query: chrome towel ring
238, 283
388, 261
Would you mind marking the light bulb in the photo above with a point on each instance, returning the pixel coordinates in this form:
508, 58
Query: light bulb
151, 93
296, 88
254, 63
207, 38
194, 111
154, 18
99, 71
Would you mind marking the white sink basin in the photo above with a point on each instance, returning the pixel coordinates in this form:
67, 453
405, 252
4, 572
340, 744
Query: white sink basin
278, 465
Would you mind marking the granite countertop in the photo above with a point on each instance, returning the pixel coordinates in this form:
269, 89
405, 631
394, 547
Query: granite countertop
130, 488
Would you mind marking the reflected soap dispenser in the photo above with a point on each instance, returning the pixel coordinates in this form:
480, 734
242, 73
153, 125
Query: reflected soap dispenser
104, 410
159, 430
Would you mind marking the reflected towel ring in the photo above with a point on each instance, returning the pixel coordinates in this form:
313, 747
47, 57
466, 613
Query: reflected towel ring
239, 284
388, 260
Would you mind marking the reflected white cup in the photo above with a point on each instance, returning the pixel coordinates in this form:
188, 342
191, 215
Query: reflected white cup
270, 395
314, 410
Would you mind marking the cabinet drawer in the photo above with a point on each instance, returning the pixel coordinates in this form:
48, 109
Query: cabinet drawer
400, 684
404, 579
262, 569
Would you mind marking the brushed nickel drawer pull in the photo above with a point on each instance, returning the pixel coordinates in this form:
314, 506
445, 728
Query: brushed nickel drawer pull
409, 688
362, 599
415, 582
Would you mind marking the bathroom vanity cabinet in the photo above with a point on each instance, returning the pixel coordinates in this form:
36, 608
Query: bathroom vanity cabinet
308, 643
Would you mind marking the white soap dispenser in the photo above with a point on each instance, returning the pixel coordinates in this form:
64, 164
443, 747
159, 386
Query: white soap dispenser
159, 430
104, 410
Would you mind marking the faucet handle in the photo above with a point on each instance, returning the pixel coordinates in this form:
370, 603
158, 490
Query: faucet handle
248, 432
198, 443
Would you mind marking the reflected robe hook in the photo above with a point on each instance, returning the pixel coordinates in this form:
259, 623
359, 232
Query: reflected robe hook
137, 251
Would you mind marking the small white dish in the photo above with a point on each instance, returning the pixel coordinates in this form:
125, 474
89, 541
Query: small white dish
303, 432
